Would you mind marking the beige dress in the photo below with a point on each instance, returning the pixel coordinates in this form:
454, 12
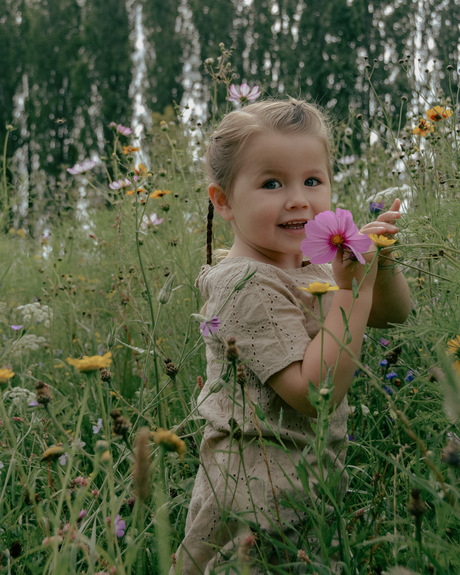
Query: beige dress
240, 489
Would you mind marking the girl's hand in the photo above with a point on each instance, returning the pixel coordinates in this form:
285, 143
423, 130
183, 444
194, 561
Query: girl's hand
384, 224
346, 268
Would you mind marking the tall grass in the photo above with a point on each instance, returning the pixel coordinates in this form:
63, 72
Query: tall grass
76, 508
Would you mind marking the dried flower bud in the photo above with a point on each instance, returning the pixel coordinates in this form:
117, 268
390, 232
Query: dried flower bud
170, 368
44, 395
241, 374
199, 382
232, 352
416, 506
106, 375
120, 425
450, 454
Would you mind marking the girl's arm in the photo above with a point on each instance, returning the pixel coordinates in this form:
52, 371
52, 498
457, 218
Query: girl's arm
292, 382
391, 298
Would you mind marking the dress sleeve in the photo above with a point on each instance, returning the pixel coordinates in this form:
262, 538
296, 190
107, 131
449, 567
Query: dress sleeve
268, 323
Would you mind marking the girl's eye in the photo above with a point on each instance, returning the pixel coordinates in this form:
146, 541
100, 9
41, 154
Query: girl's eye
311, 182
271, 184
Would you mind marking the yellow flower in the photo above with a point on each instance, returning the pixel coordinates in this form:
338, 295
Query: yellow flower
159, 193
52, 453
132, 192
94, 363
382, 241
438, 113
424, 128
170, 441
141, 170
130, 149
5, 374
453, 348
318, 288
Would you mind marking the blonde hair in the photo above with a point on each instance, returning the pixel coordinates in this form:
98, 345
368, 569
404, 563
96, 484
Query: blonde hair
284, 116
226, 146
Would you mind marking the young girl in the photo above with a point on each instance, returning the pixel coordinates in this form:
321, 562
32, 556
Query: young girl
270, 172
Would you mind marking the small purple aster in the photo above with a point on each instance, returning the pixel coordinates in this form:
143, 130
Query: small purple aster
210, 326
120, 526
409, 376
388, 389
391, 375
375, 207
383, 362
384, 342
17, 327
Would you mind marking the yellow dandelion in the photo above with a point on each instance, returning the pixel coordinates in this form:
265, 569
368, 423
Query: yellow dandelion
94, 363
159, 193
170, 441
382, 241
438, 113
5, 374
453, 349
52, 453
318, 288
423, 129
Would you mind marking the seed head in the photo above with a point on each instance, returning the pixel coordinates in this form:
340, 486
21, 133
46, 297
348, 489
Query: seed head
170, 368
232, 352
120, 425
416, 506
106, 375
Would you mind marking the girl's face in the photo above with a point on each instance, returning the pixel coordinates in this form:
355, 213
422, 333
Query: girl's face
282, 183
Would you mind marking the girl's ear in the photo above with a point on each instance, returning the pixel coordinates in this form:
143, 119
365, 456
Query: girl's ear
220, 201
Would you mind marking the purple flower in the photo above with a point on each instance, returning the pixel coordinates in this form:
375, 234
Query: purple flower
243, 93
123, 130
383, 362
329, 231
375, 207
17, 327
97, 428
388, 389
64, 458
118, 184
391, 375
82, 167
82, 514
409, 376
120, 525
210, 326
33, 403
384, 342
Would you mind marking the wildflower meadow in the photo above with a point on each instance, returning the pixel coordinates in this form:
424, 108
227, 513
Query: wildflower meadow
102, 357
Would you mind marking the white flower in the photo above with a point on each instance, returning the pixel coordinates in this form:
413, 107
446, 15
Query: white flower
82, 167
36, 312
152, 220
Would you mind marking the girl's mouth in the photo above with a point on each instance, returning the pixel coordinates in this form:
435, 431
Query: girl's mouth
297, 225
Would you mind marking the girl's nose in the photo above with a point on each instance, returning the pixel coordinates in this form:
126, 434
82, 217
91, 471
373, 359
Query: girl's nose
297, 198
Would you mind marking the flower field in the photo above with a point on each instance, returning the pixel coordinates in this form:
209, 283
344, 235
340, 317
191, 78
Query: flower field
102, 360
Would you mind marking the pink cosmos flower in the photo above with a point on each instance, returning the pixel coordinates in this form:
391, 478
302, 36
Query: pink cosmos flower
123, 130
210, 326
329, 231
118, 184
152, 220
243, 93
82, 167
